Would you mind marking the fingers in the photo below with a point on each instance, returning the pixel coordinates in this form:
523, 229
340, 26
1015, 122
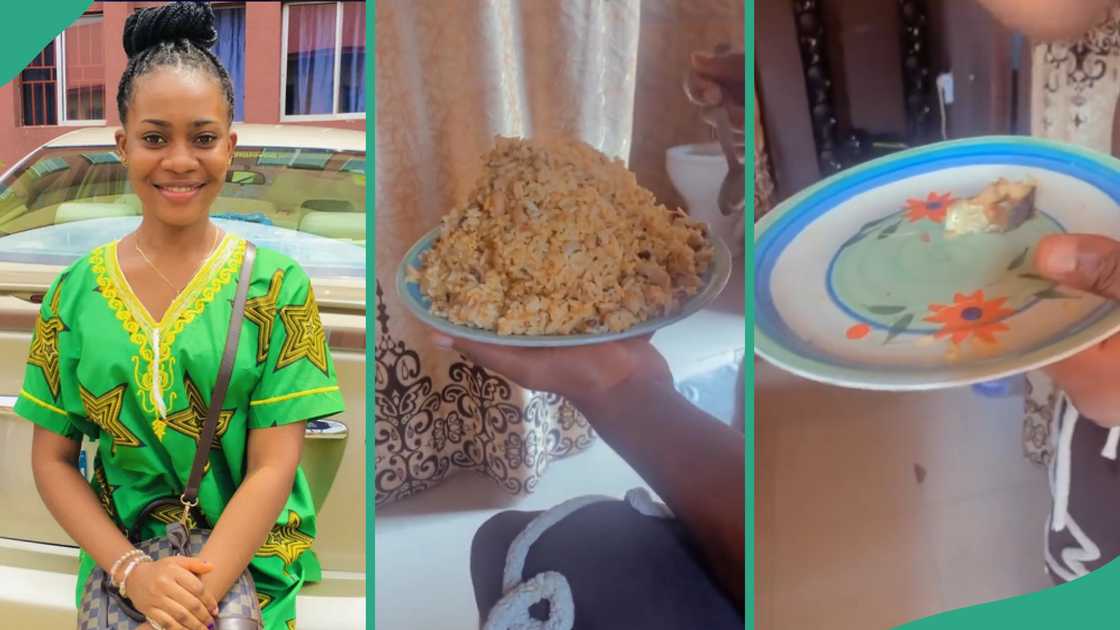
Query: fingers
515, 363
168, 618
184, 607
194, 586
1087, 262
1080, 378
725, 68
703, 92
194, 565
1068, 372
735, 116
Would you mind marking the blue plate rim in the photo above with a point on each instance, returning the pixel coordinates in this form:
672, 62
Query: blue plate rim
821, 197
718, 274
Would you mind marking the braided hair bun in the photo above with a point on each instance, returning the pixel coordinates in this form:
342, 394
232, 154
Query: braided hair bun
178, 34
190, 21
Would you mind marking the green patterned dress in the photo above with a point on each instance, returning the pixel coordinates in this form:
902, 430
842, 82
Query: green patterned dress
100, 366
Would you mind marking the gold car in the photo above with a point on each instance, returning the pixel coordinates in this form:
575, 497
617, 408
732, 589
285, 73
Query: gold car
296, 189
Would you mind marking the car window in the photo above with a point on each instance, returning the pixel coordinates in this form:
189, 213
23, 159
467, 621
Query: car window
306, 203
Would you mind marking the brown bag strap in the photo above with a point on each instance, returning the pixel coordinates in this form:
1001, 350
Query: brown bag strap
189, 497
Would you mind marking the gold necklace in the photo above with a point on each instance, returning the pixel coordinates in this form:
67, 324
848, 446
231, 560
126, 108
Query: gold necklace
177, 290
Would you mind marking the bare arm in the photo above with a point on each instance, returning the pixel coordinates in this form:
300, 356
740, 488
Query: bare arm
168, 590
1049, 19
692, 460
71, 501
273, 455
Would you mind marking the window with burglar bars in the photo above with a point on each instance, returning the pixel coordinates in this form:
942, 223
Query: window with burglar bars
65, 83
38, 83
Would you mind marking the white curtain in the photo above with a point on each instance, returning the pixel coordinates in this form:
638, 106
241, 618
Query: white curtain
311, 45
352, 85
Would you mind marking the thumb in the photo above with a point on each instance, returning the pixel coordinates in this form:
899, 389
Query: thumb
723, 66
508, 361
726, 68
1082, 261
194, 565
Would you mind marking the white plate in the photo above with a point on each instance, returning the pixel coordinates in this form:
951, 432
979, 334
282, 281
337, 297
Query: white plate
715, 278
855, 284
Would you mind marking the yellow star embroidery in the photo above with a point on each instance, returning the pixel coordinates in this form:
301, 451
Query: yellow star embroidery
189, 421
44, 344
261, 311
105, 412
291, 624
305, 338
263, 600
105, 491
286, 542
168, 514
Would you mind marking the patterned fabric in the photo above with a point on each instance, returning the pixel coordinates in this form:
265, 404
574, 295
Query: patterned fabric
102, 367
1041, 400
470, 422
1075, 86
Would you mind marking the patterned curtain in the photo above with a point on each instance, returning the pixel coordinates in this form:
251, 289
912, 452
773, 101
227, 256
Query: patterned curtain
1075, 86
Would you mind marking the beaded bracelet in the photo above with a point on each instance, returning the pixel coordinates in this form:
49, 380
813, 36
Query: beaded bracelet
128, 569
124, 557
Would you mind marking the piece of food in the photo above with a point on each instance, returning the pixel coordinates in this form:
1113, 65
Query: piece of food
1001, 207
557, 239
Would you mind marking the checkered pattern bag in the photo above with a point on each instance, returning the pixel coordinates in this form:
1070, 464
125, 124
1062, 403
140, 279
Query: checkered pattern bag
102, 607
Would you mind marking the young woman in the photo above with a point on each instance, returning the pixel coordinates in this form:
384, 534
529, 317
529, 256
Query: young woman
127, 349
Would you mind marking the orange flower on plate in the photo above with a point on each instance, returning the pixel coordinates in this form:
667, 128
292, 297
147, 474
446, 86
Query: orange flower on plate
970, 315
933, 208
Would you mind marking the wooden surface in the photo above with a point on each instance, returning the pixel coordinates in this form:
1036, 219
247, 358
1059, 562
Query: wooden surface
782, 96
977, 50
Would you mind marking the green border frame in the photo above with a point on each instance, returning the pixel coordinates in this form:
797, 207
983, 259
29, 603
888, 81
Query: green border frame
749, 566
1084, 603
27, 28
371, 307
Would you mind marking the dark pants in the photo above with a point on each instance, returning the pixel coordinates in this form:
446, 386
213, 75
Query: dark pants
1094, 508
625, 570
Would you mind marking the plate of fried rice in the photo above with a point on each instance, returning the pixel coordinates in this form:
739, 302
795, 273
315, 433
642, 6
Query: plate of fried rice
558, 245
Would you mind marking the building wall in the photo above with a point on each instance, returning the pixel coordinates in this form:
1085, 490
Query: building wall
263, 33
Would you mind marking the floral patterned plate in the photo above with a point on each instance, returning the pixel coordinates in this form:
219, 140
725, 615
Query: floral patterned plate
856, 284
715, 279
